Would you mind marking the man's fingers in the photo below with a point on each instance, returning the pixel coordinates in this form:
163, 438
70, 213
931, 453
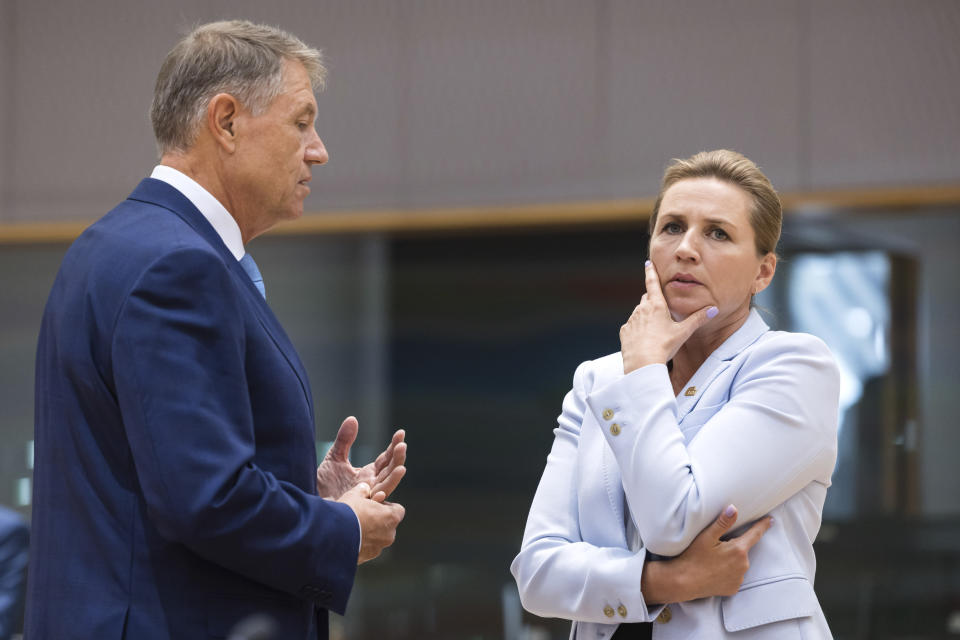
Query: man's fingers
397, 459
755, 532
361, 489
346, 436
387, 486
398, 511
388, 454
723, 523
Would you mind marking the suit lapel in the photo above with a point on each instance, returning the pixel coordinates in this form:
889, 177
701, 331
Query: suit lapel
162, 194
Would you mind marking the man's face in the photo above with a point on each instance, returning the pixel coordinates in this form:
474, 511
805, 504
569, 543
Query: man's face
275, 152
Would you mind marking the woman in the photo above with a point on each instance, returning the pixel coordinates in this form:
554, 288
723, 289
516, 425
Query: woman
703, 408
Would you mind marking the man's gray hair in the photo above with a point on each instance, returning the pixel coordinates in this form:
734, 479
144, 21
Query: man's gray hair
237, 57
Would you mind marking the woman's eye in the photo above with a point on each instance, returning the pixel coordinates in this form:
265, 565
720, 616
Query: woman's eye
719, 234
672, 227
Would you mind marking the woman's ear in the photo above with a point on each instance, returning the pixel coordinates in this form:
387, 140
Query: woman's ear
768, 266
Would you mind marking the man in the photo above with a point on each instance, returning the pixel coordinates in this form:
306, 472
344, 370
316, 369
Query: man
176, 489
14, 542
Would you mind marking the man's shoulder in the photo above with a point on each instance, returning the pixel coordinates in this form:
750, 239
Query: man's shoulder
139, 230
132, 239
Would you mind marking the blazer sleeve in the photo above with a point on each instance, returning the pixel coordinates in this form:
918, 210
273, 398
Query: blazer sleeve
558, 574
776, 434
178, 367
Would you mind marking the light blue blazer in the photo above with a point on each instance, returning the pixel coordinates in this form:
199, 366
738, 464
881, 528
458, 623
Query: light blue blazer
756, 426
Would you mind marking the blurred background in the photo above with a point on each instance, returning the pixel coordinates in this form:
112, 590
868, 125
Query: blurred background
480, 230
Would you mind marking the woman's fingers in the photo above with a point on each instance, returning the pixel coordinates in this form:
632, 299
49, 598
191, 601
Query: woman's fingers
696, 320
652, 280
755, 532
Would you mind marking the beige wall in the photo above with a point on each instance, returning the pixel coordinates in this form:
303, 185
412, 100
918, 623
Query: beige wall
445, 102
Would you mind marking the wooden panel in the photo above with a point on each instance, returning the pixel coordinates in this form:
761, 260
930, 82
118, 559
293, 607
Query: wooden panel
561, 214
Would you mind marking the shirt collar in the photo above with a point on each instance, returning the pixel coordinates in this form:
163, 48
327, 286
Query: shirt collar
215, 213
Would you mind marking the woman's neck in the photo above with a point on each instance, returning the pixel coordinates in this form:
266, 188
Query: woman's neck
700, 345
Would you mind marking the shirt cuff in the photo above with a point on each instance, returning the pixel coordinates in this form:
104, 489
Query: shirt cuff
360, 529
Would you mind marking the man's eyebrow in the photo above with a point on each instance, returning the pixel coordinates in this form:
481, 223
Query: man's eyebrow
307, 109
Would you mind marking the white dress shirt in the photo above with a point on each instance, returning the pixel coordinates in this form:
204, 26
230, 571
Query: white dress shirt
215, 213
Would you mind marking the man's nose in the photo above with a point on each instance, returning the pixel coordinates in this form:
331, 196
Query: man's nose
316, 152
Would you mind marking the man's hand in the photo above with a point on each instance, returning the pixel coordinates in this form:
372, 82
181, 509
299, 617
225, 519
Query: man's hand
378, 521
710, 566
336, 476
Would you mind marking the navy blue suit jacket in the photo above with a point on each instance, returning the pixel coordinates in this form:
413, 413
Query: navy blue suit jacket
174, 480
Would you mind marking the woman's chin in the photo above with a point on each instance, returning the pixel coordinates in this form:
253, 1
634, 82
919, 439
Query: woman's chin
681, 309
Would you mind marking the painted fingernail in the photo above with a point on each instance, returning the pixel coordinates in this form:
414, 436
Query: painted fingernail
647, 263
729, 511
712, 312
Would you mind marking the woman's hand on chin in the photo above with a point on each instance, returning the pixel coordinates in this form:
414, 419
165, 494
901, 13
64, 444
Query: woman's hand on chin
650, 334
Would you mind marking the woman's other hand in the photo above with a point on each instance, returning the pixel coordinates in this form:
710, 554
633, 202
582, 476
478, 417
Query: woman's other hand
710, 566
651, 335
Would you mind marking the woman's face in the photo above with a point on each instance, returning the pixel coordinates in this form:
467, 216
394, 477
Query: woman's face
704, 252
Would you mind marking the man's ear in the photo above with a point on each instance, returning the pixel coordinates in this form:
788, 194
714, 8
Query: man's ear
768, 266
222, 113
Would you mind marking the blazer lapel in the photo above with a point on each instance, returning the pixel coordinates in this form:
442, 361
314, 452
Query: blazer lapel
718, 361
160, 193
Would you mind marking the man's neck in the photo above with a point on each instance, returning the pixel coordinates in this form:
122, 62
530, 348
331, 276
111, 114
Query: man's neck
197, 169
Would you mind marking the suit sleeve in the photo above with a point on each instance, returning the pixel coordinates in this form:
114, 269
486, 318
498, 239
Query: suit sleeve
558, 574
178, 366
775, 435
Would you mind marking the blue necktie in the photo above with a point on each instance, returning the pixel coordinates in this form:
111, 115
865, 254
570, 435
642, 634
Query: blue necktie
251, 268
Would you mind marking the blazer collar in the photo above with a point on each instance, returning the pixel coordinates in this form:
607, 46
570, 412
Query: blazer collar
718, 361
746, 335
160, 193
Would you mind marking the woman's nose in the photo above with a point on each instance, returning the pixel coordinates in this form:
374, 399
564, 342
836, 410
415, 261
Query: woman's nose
688, 248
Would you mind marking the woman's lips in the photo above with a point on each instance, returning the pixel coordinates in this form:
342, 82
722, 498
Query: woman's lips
683, 281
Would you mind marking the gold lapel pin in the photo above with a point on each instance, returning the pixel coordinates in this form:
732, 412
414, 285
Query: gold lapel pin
691, 391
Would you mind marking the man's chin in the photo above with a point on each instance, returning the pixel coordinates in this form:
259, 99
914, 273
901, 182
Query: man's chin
294, 213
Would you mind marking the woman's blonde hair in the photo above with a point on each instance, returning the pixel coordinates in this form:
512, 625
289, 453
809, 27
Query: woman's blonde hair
766, 218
